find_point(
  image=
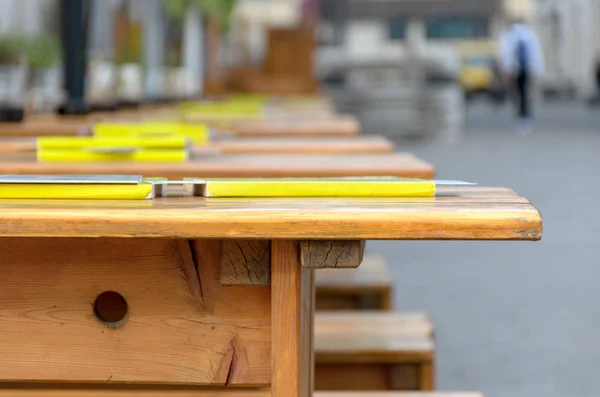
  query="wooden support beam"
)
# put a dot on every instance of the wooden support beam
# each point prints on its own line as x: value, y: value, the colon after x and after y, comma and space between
x: 245, y: 262
x: 325, y: 254
x: 292, y: 300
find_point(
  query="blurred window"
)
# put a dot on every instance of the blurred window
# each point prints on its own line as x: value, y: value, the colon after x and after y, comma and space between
x: 457, y: 28
x: 485, y: 62
x: 397, y: 29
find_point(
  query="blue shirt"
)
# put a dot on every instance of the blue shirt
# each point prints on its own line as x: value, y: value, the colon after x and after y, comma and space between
x: 509, y: 50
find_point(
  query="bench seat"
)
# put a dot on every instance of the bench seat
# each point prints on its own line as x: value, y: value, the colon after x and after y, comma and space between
x: 373, y: 351
x: 368, y: 287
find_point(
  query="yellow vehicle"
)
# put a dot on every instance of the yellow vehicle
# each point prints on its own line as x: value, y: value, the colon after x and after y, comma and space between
x: 477, y: 73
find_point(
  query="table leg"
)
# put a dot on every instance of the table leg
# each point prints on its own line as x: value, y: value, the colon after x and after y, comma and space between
x: 292, y: 313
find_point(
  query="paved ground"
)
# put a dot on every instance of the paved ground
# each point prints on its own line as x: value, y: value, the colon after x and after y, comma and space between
x: 516, y: 319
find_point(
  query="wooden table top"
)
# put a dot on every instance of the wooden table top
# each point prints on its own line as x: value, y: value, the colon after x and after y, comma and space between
x: 258, y: 165
x: 359, y: 144
x: 51, y: 125
x: 334, y: 127
x: 475, y: 213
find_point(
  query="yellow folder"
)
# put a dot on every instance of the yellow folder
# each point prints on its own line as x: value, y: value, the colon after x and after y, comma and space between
x: 315, y: 187
x: 72, y: 143
x: 197, y: 133
x: 99, y: 154
x: 140, y: 191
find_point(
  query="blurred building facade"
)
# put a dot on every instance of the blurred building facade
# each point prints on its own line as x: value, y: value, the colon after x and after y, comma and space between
x: 29, y: 16
x: 569, y: 32
x: 367, y: 28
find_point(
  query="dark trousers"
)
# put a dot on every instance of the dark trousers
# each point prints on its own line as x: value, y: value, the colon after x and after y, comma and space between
x: 523, y: 88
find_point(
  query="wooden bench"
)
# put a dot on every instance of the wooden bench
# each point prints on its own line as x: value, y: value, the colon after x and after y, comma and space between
x: 373, y: 351
x: 368, y: 287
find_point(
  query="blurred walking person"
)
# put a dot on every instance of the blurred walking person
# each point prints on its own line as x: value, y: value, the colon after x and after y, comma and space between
x: 522, y: 63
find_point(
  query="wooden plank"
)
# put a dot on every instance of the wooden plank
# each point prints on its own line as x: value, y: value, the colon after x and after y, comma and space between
x: 322, y: 254
x: 292, y: 293
x: 245, y: 262
x: 323, y: 219
x: 239, y: 166
x: 181, y: 327
x: 332, y: 323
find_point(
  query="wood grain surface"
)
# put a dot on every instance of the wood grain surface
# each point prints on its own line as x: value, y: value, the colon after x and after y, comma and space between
x: 323, y: 254
x: 287, y: 126
x: 246, y: 262
x: 181, y: 326
x: 338, y: 126
x: 26, y: 148
x: 292, y: 296
x: 239, y: 166
x: 467, y: 215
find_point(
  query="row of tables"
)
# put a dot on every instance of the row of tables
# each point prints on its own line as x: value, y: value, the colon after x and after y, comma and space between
x: 160, y: 262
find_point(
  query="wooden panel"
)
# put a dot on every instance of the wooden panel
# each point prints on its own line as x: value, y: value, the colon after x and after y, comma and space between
x: 331, y: 219
x: 245, y: 262
x: 182, y: 327
x: 239, y: 166
x: 323, y: 254
x: 291, y: 312
x: 376, y: 377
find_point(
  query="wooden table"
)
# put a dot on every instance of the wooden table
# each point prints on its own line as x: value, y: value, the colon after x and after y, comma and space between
x: 199, y: 292
x: 263, y: 165
x: 359, y: 144
x: 49, y: 125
